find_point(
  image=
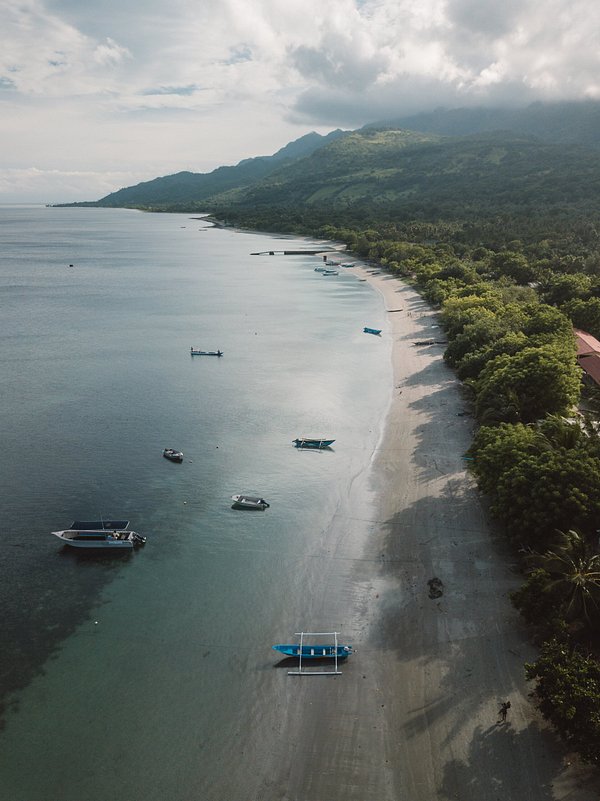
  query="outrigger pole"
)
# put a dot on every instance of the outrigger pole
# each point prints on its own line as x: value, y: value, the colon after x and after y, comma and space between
x: 301, y: 672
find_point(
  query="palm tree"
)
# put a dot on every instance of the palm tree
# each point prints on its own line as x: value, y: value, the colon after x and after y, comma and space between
x: 561, y: 433
x: 574, y: 575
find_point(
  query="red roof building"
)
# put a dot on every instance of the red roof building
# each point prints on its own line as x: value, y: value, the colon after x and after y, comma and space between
x: 588, y: 354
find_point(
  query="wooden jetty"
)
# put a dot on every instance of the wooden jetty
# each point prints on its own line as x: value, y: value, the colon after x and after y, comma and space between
x: 294, y: 252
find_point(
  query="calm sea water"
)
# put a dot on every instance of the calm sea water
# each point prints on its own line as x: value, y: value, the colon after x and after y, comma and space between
x: 128, y: 662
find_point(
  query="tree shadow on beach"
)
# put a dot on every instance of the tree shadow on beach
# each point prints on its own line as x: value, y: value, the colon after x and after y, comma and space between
x: 489, y: 770
x: 419, y: 543
x: 445, y: 576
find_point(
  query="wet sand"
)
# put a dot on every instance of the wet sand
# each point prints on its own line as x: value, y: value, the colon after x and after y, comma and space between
x: 421, y: 589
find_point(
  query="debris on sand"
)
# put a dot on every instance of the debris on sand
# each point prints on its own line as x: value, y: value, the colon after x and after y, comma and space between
x: 436, y: 587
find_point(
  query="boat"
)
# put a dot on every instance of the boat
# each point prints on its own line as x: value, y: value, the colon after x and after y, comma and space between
x: 376, y: 331
x: 248, y: 502
x: 311, y: 442
x: 320, y: 269
x: 195, y: 352
x: 312, y: 649
x: 330, y: 272
x: 173, y: 455
x: 315, y: 651
x: 103, y: 534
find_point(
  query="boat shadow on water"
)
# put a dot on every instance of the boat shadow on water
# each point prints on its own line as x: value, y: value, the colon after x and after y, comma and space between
x: 105, y: 556
x: 291, y: 662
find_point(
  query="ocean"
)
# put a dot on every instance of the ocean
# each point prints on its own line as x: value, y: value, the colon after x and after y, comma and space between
x: 141, y: 676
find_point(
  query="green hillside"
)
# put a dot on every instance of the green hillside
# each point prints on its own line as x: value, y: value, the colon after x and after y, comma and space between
x: 395, y: 174
x: 185, y: 188
x: 568, y: 122
x: 509, y: 181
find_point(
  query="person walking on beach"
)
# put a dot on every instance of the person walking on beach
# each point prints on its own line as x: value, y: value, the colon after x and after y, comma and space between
x: 504, y: 707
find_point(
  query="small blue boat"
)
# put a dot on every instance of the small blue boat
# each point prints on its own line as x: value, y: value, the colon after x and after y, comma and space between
x: 315, y: 651
x: 313, y: 442
x: 376, y: 331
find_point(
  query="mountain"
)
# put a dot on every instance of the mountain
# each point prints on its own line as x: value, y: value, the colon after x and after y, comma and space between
x: 461, y: 164
x: 187, y: 187
x: 560, y: 123
x: 387, y: 172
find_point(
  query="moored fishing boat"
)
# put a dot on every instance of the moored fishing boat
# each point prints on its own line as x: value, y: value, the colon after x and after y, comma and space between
x: 376, y: 331
x: 310, y: 648
x: 196, y: 352
x: 316, y: 443
x: 173, y: 455
x: 111, y: 534
x: 326, y: 651
x: 248, y: 502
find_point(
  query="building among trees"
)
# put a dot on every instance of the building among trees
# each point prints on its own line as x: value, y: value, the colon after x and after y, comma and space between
x: 588, y: 355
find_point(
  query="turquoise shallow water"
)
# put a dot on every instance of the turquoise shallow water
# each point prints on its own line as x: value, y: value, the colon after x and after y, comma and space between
x: 133, y: 660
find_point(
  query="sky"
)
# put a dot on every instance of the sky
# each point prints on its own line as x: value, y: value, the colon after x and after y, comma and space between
x: 100, y: 94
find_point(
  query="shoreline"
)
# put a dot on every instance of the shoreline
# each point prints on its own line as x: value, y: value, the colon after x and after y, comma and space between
x: 425, y: 594
x: 472, y: 645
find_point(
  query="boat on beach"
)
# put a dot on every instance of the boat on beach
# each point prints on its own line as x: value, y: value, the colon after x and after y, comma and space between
x: 309, y: 647
x: 248, y: 502
x: 173, y: 455
x: 103, y: 534
x: 315, y: 651
x: 196, y: 352
x: 315, y: 443
x: 376, y: 331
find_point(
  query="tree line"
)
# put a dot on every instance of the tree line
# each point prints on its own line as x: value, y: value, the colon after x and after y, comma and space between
x: 509, y: 314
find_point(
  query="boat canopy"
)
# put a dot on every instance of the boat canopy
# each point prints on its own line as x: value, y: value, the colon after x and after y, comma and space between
x: 99, y: 525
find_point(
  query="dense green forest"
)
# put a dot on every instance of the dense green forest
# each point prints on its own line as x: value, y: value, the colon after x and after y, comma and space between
x: 500, y: 231
x: 508, y: 312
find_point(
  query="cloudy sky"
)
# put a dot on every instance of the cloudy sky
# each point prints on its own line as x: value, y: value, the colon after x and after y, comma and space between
x: 100, y: 94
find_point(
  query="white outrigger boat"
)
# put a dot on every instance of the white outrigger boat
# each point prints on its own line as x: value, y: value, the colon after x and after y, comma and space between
x: 103, y: 534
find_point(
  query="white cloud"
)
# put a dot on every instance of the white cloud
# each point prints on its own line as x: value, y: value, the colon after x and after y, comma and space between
x: 109, y: 53
x: 149, y: 85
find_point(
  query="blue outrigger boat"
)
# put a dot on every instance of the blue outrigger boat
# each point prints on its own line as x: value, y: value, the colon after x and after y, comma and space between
x: 376, y: 331
x: 328, y: 650
x: 312, y: 442
x: 315, y: 651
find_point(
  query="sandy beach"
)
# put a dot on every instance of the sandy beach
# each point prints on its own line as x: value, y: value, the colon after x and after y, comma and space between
x: 422, y: 591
